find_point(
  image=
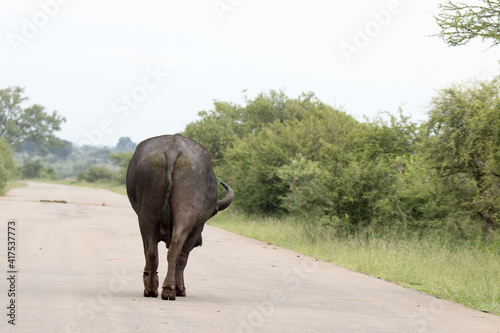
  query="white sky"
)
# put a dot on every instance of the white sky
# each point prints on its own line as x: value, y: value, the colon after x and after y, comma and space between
x: 91, y: 61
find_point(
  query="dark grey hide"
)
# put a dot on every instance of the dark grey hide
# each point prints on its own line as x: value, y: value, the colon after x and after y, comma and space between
x: 172, y: 188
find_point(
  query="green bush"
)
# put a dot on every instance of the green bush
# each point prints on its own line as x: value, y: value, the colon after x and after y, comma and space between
x: 6, y: 159
x: 302, y: 158
x: 48, y: 173
x: 310, y: 188
x: 122, y: 160
x: 96, y: 174
x: 34, y: 169
x: 359, y: 188
x: 256, y: 165
x: 463, y: 136
x: 7, y: 166
x: 31, y: 168
x: 4, y: 177
x: 416, y: 199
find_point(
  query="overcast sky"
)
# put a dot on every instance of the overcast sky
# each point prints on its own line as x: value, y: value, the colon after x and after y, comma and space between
x: 145, y: 68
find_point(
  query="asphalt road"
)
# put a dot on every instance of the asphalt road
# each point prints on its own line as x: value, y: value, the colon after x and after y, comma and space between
x: 79, y: 269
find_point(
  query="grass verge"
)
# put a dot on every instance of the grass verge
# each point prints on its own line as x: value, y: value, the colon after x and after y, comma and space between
x: 12, y: 184
x: 463, y: 273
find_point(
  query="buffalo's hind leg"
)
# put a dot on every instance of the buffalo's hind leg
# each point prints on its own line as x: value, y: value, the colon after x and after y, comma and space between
x: 150, y: 275
x: 182, y: 229
x: 190, y: 243
x: 180, y: 289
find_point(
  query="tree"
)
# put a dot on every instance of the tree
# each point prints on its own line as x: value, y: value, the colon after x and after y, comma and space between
x: 227, y: 122
x: 310, y: 188
x: 6, y: 159
x: 96, y: 173
x: 395, y: 138
x: 61, y: 148
x: 217, y: 129
x: 257, y: 164
x: 463, y: 144
x: 31, y: 169
x: 461, y: 23
x: 32, y: 124
x: 7, y: 165
x: 122, y: 160
x: 125, y: 145
x: 301, y: 156
x: 267, y: 108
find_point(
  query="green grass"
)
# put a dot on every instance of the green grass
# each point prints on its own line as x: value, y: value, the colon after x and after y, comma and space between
x: 463, y: 273
x: 12, y: 184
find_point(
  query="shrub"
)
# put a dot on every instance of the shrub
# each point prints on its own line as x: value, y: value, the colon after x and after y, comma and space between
x: 7, y: 166
x: 122, y: 160
x: 48, y: 173
x: 31, y: 168
x: 4, y: 176
x: 309, y: 188
x: 96, y: 174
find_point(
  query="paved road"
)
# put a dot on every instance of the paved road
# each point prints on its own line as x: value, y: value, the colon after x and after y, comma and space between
x: 79, y: 269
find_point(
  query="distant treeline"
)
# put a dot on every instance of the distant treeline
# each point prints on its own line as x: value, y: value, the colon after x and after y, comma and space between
x: 86, y: 163
x: 29, y: 147
x: 301, y: 157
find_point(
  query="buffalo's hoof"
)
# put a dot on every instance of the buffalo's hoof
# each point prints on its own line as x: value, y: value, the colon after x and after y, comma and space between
x: 150, y: 293
x: 180, y: 292
x: 168, y: 294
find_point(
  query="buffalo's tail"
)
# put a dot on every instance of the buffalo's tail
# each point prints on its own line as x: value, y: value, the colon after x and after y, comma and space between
x: 166, y: 225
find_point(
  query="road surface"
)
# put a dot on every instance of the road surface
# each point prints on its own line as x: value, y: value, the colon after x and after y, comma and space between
x: 78, y: 268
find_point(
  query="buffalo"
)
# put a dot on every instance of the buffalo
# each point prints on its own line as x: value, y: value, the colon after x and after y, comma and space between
x: 173, y: 189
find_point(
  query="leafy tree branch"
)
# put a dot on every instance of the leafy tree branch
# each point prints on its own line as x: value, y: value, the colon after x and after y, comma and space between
x: 460, y: 23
